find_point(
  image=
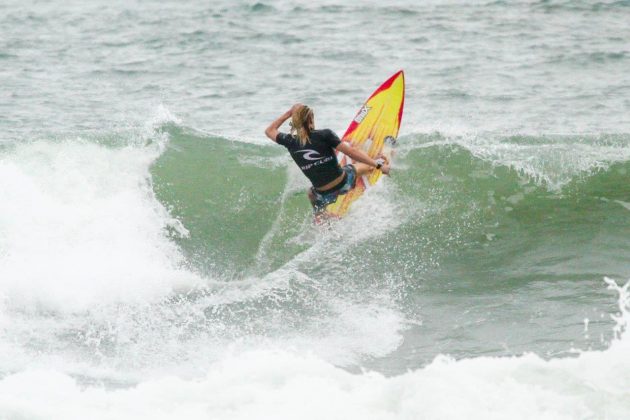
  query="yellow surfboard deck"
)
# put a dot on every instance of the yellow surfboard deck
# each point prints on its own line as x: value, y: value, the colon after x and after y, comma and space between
x: 374, y: 129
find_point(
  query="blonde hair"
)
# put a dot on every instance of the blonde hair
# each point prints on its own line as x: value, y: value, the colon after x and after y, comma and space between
x: 301, y: 122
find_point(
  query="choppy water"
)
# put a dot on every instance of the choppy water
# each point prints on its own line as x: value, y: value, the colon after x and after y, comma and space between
x: 157, y: 258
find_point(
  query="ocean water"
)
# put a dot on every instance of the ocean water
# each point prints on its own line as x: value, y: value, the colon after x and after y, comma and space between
x: 157, y: 256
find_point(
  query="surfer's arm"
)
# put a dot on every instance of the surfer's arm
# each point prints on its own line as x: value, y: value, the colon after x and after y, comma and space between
x: 361, y: 156
x: 272, y: 130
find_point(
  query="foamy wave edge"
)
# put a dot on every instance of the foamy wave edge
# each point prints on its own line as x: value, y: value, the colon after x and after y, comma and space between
x: 280, y: 384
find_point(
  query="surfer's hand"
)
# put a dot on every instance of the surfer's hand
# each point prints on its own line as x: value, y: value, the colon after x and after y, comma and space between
x: 294, y: 107
x: 385, y: 168
x: 382, y: 156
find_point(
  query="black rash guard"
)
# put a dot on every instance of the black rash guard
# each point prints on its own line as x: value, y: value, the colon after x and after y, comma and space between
x: 317, y: 158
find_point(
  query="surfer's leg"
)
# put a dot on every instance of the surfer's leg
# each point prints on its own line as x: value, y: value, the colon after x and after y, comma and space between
x: 363, y: 169
x: 311, y: 197
x: 318, y: 206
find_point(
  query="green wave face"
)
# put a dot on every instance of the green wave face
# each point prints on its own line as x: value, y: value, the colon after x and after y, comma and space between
x: 460, y: 221
x: 511, y: 227
x: 226, y: 193
x: 235, y: 198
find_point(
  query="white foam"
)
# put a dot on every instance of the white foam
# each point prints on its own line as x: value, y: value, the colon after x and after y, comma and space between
x: 353, y: 331
x: 80, y: 226
x: 283, y: 385
x: 280, y: 384
x: 161, y: 115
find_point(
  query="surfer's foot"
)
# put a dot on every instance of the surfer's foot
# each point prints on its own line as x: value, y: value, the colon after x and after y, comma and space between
x: 320, y: 218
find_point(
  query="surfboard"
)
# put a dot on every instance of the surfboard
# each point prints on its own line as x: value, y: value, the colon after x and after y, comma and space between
x: 374, y: 129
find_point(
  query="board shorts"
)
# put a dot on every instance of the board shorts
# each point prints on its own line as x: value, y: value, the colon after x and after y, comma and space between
x: 322, y: 199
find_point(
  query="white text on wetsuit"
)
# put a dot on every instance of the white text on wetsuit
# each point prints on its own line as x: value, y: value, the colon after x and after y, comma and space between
x: 319, y: 162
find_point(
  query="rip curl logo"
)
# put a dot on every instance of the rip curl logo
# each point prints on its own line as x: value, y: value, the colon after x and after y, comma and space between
x: 362, y: 114
x: 310, y: 154
x: 315, y: 157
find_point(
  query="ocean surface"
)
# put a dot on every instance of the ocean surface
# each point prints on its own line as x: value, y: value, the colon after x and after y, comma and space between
x: 157, y: 254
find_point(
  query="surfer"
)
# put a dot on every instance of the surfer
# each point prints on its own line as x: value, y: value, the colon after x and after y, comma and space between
x: 314, y: 151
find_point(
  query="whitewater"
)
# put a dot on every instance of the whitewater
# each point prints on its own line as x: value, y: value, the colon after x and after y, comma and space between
x: 157, y: 255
